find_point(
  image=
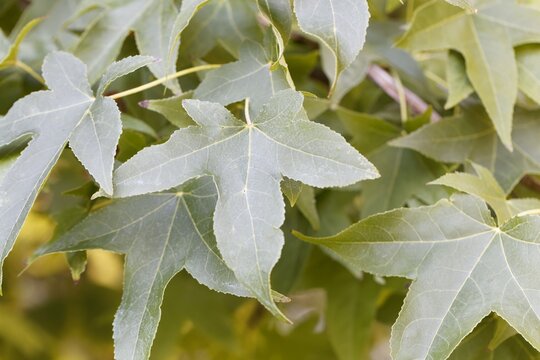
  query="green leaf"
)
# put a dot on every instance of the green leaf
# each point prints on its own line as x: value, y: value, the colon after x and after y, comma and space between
x: 9, y: 55
x: 340, y: 25
x: 227, y: 23
x: 250, y: 77
x: 188, y: 9
x: 161, y: 234
x: 485, y: 187
x: 171, y: 108
x: 528, y: 61
x: 279, y: 142
x: 463, y: 267
x: 352, y: 305
x: 68, y: 112
x: 280, y: 15
x: 485, y: 38
x: 403, y: 172
x: 459, y: 86
x: 152, y: 21
x: 465, y: 4
x: 470, y: 136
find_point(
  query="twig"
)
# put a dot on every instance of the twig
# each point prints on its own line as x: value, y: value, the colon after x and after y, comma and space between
x: 163, y: 80
x: 388, y: 84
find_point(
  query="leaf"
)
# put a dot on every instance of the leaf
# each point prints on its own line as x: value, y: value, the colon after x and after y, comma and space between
x: 68, y: 112
x: 10, y: 55
x: 465, y: 4
x: 463, y: 267
x: 280, y: 15
x: 492, y: 32
x: 171, y: 108
x: 403, y: 172
x: 227, y: 23
x: 152, y: 21
x: 459, y: 86
x: 161, y: 234
x: 250, y: 77
x: 470, y: 136
x: 528, y: 60
x: 340, y: 25
x: 352, y: 305
x: 188, y: 9
x: 527, y: 56
x: 484, y: 186
x: 247, y: 162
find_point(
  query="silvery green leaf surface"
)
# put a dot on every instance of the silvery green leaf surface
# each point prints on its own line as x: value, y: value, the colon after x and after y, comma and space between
x: 250, y: 77
x: 528, y: 57
x: 459, y: 86
x: 280, y: 15
x: 403, y: 172
x: 160, y: 234
x: 279, y: 142
x: 470, y: 136
x: 227, y: 23
x: 492, y: 33
x: 67, y: 112
x: 121, y: 68
x: 484, y: 186
x: 339, y: 25
x: 69, y: 100
x: 492, y: 270
x: 152, y: 21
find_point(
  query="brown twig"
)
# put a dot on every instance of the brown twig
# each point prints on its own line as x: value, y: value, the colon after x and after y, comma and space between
x: 388, y: 84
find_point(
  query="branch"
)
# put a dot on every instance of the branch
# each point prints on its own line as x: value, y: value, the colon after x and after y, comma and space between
x: 387, y: 83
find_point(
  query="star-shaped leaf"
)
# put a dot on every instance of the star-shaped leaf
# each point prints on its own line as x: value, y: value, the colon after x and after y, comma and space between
x: 471, y: 136
x: 247, y: 161
x: 161, y: 234
x: 464, y: 267
x: 486, y: 39
x: 68, y: 112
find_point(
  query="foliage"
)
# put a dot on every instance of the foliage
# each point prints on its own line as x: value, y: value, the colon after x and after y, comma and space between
x: 353, y: 178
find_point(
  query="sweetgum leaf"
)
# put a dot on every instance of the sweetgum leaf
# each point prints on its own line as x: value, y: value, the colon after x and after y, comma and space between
x: 67, y: 112
x: 464, y: 267
x: 248, y: 162
x: 471, y: 136
x: 486, y: 39
x: 340, y: 25
x: 161, y: 234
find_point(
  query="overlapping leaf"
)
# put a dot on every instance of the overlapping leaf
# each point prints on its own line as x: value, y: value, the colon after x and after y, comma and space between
x: 486, y: 39
x: 403, y: 172
x: 464, y: 268
x: 250, y: 77
x: 247, y: 161
x: 161, y: 234
x: 340, y: 25
x: 470, y: 136
x: 68, y: 112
